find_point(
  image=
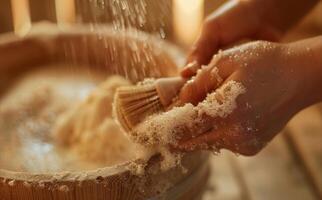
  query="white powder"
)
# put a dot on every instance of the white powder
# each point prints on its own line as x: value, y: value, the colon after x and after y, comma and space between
x: 222, y: 102
x: 84, y: 134
x: 161, y: 128
x: 89, y: 130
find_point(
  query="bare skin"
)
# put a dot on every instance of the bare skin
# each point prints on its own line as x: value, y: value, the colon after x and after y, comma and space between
x: 238, y: 20
x: 280, y: 79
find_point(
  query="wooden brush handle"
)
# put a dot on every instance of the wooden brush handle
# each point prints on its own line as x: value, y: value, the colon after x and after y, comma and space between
x: 169, y: 88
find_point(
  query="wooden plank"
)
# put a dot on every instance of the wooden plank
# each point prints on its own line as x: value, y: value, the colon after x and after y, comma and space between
x: 274, y: 174
x: 305, y: 131
x: 223, y: 182
x: 65, y: 11
x: 42, y: 10
x: 6, y: 21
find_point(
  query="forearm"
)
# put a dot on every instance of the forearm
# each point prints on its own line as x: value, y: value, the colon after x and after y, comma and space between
x: 314, y: 55
x: 306, y: 56
x: 282, y: 14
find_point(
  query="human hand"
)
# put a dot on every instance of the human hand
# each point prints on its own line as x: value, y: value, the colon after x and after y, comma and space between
x: 238, y: 20
x: 279, y: 81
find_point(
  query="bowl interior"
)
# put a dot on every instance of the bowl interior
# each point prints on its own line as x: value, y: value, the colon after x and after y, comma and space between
x: 71, y: 77
x: 74, y: 61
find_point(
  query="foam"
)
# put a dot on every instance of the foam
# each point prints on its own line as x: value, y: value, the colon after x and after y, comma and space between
x: 169, y: 127
x: 158, y: 132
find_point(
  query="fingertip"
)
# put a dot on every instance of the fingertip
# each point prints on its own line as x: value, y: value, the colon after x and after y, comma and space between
x: 186, y: 72
x: 186, y: 92
x: 190, y: 69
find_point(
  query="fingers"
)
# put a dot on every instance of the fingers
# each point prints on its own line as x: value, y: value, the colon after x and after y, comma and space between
x: 208, y: 78
x: 224, y: 138
x: 190, y: 69
x: 206, y: 45
x: 196, y: 89
x: 202, y: 51
x: 230, y: 23
x: 269, y: 34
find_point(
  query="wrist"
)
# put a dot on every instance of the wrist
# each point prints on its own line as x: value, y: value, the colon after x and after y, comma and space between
x: 304, y: 61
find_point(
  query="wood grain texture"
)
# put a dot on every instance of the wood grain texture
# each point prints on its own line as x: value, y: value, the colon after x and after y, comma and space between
x: 128, y: 54
x: 274, y: 174
x: 41, y: 10
x: 109, y: 183
x: 18, y: 54
x: 305, y: 131
x: 6, y: 20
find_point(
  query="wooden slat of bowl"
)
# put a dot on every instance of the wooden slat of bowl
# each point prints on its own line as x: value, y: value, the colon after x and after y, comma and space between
x: 49, y: 44
x: 107, y: 183
x: 18, y: 54
x: 104, y: 49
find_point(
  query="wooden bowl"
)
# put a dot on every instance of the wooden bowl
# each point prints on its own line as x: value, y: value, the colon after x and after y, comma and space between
x: 82, y: 46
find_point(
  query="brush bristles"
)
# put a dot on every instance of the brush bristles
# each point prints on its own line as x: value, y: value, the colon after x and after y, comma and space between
x: 134, y: 103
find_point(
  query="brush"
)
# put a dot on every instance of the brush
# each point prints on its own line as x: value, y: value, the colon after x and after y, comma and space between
x: 132, y: 104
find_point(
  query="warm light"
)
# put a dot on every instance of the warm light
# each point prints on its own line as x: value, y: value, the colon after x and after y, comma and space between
x: 65, y: 11
x: 21, y: 16
x: 187, y: 20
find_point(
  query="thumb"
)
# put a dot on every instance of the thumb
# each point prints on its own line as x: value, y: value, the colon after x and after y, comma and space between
x: 208, y: 78
x: 196, y: 89
x: 201, y: 53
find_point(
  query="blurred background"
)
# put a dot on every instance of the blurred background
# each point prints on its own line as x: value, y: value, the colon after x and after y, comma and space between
x: 176, y: 20
x: 289, y: 168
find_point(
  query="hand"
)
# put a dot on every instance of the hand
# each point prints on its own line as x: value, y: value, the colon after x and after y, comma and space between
x: 278, y: 84
x: 239, y: 20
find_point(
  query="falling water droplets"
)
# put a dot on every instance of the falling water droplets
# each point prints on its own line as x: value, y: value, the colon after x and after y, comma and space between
x: 121, y: 15
x: 162, y: 33
x: 123, y: 5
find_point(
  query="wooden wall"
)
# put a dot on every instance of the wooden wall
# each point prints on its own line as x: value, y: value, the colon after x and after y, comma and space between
x: 41, y: 10
x: 159, y: 13
x: 6, y: 22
